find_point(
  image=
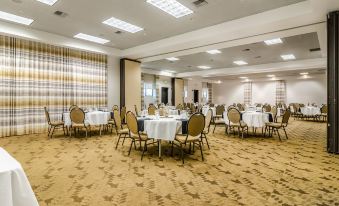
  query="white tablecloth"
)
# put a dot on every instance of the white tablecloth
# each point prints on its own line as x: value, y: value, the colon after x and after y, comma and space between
x: 310, y: 111
x: 15, y: 189
x: 170, y: 112
x: 252, y: 119
x: 91, y: 118
x: 163, y: 128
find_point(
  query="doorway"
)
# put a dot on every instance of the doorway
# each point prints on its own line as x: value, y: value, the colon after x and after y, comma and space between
x: 195, y: 96
x: 164, y: 95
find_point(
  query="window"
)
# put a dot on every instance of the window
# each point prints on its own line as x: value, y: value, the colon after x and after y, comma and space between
x: 148, y: 89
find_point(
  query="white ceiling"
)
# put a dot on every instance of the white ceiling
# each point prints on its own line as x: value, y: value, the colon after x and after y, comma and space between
x: 86, y: 16
x: 259, y: 53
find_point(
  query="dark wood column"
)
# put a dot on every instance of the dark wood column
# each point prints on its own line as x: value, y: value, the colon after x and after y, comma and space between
x: 332, y: 81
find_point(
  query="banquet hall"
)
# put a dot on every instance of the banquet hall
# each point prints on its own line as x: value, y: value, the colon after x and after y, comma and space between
x: 169, y: 102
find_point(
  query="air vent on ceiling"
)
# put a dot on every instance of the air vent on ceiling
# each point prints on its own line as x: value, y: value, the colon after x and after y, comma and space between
x: 245, y: 50
x: 199, y: 3
x: 314, y: 49
x: 60, y: 13
x: 118, y: 32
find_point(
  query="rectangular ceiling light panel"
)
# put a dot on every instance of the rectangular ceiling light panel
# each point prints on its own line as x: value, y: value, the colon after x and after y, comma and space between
x: 48, y: 2
x: 171, y: 7
x: 117, y: 23
x: 15, y: 18
x: 91, y: 38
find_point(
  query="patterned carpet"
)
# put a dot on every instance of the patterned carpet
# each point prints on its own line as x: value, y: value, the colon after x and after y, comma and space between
x: 252, y: 171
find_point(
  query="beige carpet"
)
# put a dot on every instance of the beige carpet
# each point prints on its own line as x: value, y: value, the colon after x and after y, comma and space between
x: 252, y: 171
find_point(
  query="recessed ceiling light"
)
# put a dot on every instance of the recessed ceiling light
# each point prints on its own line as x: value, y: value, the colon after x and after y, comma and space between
x: 171, y: 7
x: 304, y: 73
x: 48, y: 2
x: 204, y: 67
x: 91, y: 38
x: 214, y: 51
x: 15, y: 18
x: 288, y: 57
x: 240, y: 62
x: 270, y: 75
x: 273, y: 41
x: 117, y: 23
x: 170, y: 71
x: 172, y: 59
x: 243, y: 77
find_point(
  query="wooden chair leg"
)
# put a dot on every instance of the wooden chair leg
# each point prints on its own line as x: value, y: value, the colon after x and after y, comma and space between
x: 278, y: 134
x: 130, y: 148
x: 202, y: 155
x: 182, y: 153
x: 143, y: 151
x: 285, y: 132
x: 52, y: 131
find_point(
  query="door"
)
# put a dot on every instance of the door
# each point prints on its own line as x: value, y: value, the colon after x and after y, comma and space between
x: 164, y: 95
x: 196, y: 96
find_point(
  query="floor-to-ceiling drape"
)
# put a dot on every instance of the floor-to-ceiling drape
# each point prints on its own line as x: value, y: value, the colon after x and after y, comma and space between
x: 34, y: 75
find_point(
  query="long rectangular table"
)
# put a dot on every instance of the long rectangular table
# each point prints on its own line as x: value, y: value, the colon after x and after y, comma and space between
x: 15, y: 189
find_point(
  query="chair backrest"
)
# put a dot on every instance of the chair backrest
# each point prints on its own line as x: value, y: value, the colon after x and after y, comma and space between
x: 161, y: 111
x: 117, y: 120
x: 211, y: 105
x: 231, y: 106
x: 196, y: 124
x: 151, y: 110
x: 267, y: 108
x: 208, y: 119
x: 123, y: 113
x: 274, y: 111
x: 192, y: 108
x: 286, y: 117
x: 115, y: 107
x: 77, y: 116
x: 72, y: 107
x: 324, y: 109
x: 219, y: 110
x: 132, y: 122
x: 233, y: 115
x: 136, y: 110
x: 179, y: 106
x: 47, y: 116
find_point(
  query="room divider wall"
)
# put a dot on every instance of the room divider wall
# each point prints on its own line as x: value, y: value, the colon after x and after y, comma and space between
x: 34, y: 75
x: 333, y: 82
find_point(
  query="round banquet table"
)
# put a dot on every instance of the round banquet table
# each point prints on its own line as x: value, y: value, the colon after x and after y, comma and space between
x: 170, y: 112
x: 15, y: 189
x: 91, y: 118
x: 310, y: 111
x: 253, y: 119
x: 163, y: 128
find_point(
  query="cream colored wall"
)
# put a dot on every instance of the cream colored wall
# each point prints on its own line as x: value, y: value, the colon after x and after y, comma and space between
x: 113, y: 81
x: 179, y: 91
x: 132, y: 85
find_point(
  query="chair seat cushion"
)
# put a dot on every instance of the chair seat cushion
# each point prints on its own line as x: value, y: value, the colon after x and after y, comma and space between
x: 111, y: 121
x: 79, y: 125
x: 240, y: 124
x: 273, y: 124
x: 123, y: 131
x: 143, y: 136
x: 219, y: 121
x: 57, y: 123
x: 182, y: 138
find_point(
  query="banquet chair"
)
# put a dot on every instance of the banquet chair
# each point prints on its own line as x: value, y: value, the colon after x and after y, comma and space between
x: 275, y: 126
x: 179, y: 107
x: 274, y: 112
x: 134, y: 133
x: 72, y: 107
x: 137, y: 113
x: 115, y: 107
x: 217, y: 119
x: 234, y: 119
x: 52, y: 125
x: 123, y: 114
x: 151, y: 110
x: 195, y: 128
x: 78, y: 121
x: 121, y: 132
x: 324, y: 110
x: 208, y: 120
x: 211, y: 105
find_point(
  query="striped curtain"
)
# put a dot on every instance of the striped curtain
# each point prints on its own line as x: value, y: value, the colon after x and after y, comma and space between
x: 34, y: 75
x: 280, y: 93
x: 248, y: 93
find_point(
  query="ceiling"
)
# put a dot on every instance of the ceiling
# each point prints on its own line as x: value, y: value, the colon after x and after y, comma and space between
x: 253, y: 54
x: 263, y: 76
x: 86, y: 16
